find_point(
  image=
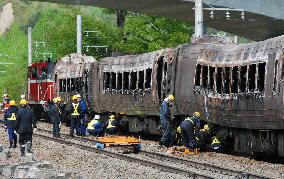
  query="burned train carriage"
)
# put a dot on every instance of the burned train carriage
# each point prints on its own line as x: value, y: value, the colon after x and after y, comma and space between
x: 71, y: 74
x: 133, y: 84
x: 240, y: 89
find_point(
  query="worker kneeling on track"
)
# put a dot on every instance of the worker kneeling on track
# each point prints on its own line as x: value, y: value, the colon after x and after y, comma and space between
x: 112, y: 126
x: 95, y: 127
x: 10, y: 123
x: 188, y: 127
x: 204, y: 135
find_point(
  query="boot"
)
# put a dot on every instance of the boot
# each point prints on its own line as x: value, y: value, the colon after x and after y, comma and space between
x: 29, y: 147
x: 11, y: 143
x: 22, y: 149
x: 15, y: 143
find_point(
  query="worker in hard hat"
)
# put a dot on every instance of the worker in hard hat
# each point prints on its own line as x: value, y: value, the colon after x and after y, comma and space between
x: 10, y: 123
x: 204, y: 136
x: 26, y: 122
x: 95, y: 127
x: 55, y: 114
x: 5, y: 103
x: 188, y: 128
x: 165, y: 118
x: 83, y: 116
x: 112, y: 125
x: 74, y: 111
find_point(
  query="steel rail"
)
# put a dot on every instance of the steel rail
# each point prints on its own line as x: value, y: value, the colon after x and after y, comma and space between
x: 200, y: 168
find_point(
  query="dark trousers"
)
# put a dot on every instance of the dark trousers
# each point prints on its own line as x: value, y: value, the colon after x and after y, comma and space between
x: 111, y: 130
x: 168, y: 133
x: 82, y: 126
x: 11, y: 134
x: 95, y: 132
x: 55, y: 130
x: 188, y: 137
x: 75, y: 124
x: 24, y: 138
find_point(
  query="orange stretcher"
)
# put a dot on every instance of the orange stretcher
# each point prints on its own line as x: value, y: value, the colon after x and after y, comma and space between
x: 181, y: 150
x: 120, y: 141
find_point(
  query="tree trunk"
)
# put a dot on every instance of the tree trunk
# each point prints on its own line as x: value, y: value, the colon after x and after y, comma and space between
x: 120, y: 17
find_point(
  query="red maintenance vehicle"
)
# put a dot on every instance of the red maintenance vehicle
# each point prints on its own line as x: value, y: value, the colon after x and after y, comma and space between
x: 40, y: 86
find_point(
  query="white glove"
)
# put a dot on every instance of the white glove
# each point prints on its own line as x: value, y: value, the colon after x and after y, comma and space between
x: 60, y: 125
x: 35, y: 129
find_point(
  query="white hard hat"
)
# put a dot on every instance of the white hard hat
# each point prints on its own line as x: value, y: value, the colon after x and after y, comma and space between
x: 23, y: 96
x: 78, y: 95
x: 97, y: 117
x: 5, y: 95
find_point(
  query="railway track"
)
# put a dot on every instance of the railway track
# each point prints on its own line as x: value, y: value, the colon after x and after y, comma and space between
x: 163, y: 162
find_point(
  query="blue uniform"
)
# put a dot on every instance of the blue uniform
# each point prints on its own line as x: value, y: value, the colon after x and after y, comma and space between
x: 187, y: 131
x: 95, y: 128
x: 165, y: 115
x: 83, y: 125
x: 11, y: 122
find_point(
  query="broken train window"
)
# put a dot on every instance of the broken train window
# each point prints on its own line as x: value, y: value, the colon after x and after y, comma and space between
x: 197, y: 75
x: 125, y: 80
x: 141, y: 80
x: 113, y: 80
x: 275, y: 79
x: 252, y: 77
x: 148, y: 78
x: 106, y: 79
x: 133, y: 80
x: 204, y: 76
x: 261, y: 77
x: 119, y: 81
x: 219, y: 81
x: 243, y: 79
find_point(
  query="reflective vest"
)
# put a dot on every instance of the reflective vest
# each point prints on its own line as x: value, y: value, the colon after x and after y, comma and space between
x: 189, y: 119
x: 13, y: 117
x: 75, y: 112
x: 58, y: 109
x: 216, y: 144
x: 92, y: 124
x: 110, y: 123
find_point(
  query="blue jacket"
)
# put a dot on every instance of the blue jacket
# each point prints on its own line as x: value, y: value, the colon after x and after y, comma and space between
x: 165, y: 113
x: 83, y: 107
x: 9, y: 114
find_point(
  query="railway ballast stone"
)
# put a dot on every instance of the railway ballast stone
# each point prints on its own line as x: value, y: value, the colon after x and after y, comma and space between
x: 5, y: 154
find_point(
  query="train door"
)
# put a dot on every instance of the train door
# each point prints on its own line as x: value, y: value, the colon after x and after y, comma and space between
x: 162, y: 68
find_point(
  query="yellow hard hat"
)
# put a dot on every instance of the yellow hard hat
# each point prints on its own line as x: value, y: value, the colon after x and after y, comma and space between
x: 206, y: 127
x: 197, y: 114
x: 75, y: 97
x: 55, y: 100
x: 179, y: 130
x: 122, y: 113
x: 23, y: 102
x: 58, y: 99
x: 112, y: 116
x: 171, y: 98
x: 13, y: 103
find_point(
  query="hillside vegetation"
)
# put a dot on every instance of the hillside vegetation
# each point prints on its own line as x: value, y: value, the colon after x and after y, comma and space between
x: 55, y: 24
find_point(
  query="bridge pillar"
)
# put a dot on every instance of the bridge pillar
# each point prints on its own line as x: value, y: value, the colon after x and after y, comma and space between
x: 198, y: 18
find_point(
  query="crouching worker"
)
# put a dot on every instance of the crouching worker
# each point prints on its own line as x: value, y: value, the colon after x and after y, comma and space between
x: 188, y: 127
x: 204, y: 136
x: 216, y: 145
x: 10, y: 123
x: 111, y: 127
x: 26, y: 121
x: 94, y: 126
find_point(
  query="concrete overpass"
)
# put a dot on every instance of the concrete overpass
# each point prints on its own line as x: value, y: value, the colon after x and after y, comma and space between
x: 263, y: 18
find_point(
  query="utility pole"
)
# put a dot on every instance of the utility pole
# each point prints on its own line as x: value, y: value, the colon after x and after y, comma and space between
x: 30, y: 60
x: 198, y: 18
x: 79, y: 34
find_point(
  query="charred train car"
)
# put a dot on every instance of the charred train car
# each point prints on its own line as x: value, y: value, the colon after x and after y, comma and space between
x: 238, y: 88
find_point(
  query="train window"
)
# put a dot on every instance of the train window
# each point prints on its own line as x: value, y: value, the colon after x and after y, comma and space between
x: 141, y: 80
x: 43, y: 70
x: 113, y: 80
x: 197, y: 75
x: 227, y: 80
x: 125, y: 80
x: 133, y: 80
x: 34, y: 72
x: 243, y: 78
x: 148, y: 78
x: 119, y: 81
x: 64, y: 86
x: 68, y: 85
x: 106, y: 76
x: 235, y: 74
x: 204, y: 76
x: 251, y: 77
x: 73, y: 84
x: 219, y: 80
x: 261, y: 77
x: 60, y: 85
x: 211, y: 77
x: 275, y: 76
